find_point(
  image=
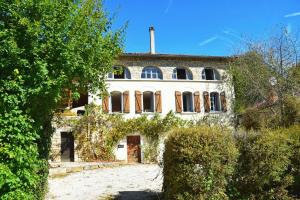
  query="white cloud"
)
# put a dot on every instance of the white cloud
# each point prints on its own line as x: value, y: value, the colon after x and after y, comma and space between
x: 295, y: 14
x: 168, y: 6
x: 207, y: 41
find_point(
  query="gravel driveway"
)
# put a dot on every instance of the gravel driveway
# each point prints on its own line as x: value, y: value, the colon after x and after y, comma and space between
x: 129, y: 182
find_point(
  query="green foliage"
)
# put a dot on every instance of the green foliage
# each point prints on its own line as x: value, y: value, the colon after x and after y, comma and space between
x: 256, y: 119
x: 291, y: 111
x: 45, y: 47
x: 197, y: 163
x: 250, y: 80
x: 293, y: 134
x: 266, y: 74
x: 97, y: 133
x: 262, y: 170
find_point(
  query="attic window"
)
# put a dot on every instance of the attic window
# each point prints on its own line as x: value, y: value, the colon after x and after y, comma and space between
x: 210, y: 74
x: 119, y: 72
x: 182, y: 74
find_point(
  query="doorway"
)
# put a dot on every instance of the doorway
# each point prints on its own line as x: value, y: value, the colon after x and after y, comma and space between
x: 67, y: 147
x: 133, y: 149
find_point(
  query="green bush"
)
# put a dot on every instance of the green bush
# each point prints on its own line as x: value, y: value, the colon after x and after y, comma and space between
x: 198, y: 163
x: 262, y: 170
x: 19, y: 163
x: 293, y: 133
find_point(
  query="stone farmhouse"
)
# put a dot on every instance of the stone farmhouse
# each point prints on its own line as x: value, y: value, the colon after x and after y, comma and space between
x: 191, y: 86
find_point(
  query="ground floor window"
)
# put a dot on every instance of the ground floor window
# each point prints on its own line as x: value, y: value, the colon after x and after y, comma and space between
x: 187, y: 100
x: 148, y: 102
x: 116, y: 102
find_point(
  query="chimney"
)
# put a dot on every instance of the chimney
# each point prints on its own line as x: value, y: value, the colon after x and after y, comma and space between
x: 152, y: 40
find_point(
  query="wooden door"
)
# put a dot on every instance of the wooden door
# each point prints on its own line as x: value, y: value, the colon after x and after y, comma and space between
x: 67, y: 147
x: 133, y: 149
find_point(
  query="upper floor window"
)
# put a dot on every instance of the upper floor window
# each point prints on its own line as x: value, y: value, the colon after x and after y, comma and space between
x: 210, y: 74
x: 116, y: 101
x: 187, y: 101
x: 151, y: 73
x: 214, y: 101
x: 148, y: 102
x: 182, y: 73
x: 119, y: 72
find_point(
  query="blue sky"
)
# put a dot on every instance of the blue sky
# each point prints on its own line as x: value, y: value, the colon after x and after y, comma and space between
x: 201, y: 27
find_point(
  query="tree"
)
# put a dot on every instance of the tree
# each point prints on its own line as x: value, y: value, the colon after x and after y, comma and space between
x: 266, y: 73
x: 45, y: 47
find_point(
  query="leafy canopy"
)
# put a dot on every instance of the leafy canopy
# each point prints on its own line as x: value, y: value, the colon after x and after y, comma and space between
x: 45, y: 47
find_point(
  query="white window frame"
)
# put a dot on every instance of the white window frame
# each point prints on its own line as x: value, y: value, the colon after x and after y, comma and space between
x: 203, y: 74
x: 212, y: 103
x: 151, y: 70
x: 192, y: 102
x: 153, y: 97
x: 187, y: 73
x: 111, y: 75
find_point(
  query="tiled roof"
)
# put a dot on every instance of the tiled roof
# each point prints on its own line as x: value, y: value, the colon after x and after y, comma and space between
x: 146, y: 56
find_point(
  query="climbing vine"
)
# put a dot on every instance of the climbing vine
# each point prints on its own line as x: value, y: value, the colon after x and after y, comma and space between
x: 97, y: 133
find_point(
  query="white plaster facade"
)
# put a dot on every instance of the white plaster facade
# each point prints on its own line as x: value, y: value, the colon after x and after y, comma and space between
x: 135, y: 63
x: 167, y: 86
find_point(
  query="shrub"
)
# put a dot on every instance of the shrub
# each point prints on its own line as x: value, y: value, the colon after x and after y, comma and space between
x: 291, y: 110
x: 293, y: 133
x: 262, y: 167
x: 198, y: 163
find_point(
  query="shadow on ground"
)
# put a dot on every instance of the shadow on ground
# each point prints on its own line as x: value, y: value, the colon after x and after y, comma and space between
x: 138, y: 195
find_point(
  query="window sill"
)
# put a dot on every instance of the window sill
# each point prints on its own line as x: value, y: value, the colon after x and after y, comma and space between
x: 148, y: 113
x: 188, y: 113
x: 215, y: 112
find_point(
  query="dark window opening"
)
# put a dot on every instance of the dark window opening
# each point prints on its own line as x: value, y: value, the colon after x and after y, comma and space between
x: 148, y: 102
x: 187, y: 102
x: 210, y: 74
x: 82, y: 101
x: 119, y: 73
x: 116, y: 102
x: 181, y: 74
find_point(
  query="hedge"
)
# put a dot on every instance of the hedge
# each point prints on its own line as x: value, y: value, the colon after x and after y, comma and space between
x: 262, y: 170
x: 197, y: 163
x: 208, y: 163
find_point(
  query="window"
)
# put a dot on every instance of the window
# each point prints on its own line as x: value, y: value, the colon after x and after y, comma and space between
x: 214, y: 101
x: 187, y: 100
x: 151, y: 73
x: 119, y: 72
x: 210, y: 74
x: 148, y: 102
x: 182, y: 73
x: 116, y: 102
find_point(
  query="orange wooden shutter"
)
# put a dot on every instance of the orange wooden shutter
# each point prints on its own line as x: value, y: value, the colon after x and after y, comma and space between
x: 105, y: 104
x: 158, y: 101
x: 206, y: 102
x: 223, y: 102
x: 197, y: 102
x: 138, y: 102
x: 178, y: 101
x: 126, y: 104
